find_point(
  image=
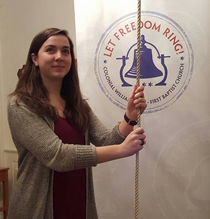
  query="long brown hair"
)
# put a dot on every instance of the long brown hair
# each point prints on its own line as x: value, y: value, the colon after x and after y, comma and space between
x: 32, y: 92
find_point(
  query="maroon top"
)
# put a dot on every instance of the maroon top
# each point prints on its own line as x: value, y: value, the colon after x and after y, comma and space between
x: 69, y: 188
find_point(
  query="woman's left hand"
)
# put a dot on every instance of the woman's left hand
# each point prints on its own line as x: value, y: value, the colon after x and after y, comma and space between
x: 136, y: 102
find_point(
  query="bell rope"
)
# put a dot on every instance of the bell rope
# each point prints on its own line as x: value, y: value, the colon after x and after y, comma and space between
x: 139, y: 114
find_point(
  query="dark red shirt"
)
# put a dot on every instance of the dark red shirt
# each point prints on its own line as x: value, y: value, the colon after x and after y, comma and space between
x: 69, y: 188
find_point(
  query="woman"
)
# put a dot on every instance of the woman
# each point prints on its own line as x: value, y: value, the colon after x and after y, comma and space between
x: 52, y: 127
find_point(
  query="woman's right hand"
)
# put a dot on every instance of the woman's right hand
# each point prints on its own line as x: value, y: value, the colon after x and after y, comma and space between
x: 130, y: 146
x: 133, y: 142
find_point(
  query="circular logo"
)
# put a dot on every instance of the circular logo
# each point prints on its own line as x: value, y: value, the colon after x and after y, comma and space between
x: 166, y: 55
x: 182, y: 175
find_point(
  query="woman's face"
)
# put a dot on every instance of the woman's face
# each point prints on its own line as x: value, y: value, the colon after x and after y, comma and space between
x: 54, y: 58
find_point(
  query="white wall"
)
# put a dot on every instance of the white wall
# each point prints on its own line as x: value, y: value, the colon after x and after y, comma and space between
x: 20, y: 21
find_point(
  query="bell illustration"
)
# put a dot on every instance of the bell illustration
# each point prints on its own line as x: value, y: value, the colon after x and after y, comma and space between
x: 147, y: 66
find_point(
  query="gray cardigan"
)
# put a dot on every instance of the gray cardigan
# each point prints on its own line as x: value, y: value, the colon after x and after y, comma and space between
x: 40, y: 152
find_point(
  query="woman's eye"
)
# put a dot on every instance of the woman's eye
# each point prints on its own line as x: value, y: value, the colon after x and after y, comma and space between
x: 50, y: 50
x: 66, y: 51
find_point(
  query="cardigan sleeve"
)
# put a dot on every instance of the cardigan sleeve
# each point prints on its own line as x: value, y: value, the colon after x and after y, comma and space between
x: 32, y: 134
x: 99, y: 135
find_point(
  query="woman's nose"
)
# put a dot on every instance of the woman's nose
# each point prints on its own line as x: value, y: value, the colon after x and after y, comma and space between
x: 58, y: 55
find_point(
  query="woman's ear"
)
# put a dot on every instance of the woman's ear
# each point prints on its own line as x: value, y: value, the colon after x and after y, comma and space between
x: 34, y: 59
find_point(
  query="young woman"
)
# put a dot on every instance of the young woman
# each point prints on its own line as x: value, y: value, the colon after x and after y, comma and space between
x: 52, y: 127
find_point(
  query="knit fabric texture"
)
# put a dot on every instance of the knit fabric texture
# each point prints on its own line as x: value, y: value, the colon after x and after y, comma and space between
x: 41, y: 152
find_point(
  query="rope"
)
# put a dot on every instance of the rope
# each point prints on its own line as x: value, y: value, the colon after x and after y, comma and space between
x: 139, y: 114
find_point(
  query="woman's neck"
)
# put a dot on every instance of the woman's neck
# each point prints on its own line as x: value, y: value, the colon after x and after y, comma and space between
x: 53, y: 87
x: 56, y: 100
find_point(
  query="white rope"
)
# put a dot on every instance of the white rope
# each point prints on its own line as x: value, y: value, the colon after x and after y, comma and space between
x: 139, y: 114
